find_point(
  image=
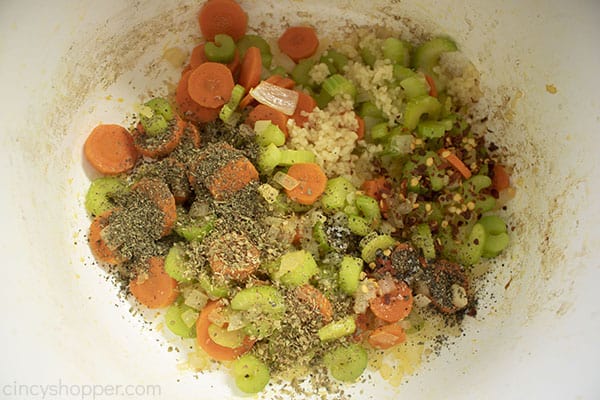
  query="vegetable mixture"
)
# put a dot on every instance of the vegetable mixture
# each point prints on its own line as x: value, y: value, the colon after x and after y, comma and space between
x: 295, y: 215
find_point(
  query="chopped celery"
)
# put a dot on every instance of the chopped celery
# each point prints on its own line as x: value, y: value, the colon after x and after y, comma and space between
x: 399, y: 144
x: 224, y: 337
x: 368, y: 56
x: 194, y: 230
x: 268, y: 159
x: 322, y: 98
x: 213, y: 289
x: 369, y: 207
x: 229, y: 108
x: 427, y: 55
x: 397, y: 51
x: 493, y: 224
x: 265, y: 299
x: 267, y: 133
x: 296, y: 268
x: 291, y: 157
x: 320, y: 237
x: 337, y: 329
x: 157, y: 120
x: 419, y: 106
x: 154, y: 125
x: 478, y: 182
x: 336, y: 194
x: 222, y: 50
x: 175, y: 263
x: 359, y: 225
x: 98, y: 197
x: 279, y: 70
x: 431, y: 129
x: 250, y: 373
x: 468, y: 247
x: 248, y: 41
x: 301, y: 73
x: 175, y: 323
x: 379, y: 131
x: 400, y: 73
x: 423, y: 240
x: 336, y: 84
x: 346, y: 363
x: 335, y: 61
x: 414, y: 86
x: 494, y: 244
x: 368, y: 109
x: 349, y: 274
x: 485, y: 203
x: 378, y: 242
x: 162, y: 107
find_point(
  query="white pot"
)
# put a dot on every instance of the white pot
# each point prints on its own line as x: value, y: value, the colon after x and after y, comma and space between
x: 66, y: 66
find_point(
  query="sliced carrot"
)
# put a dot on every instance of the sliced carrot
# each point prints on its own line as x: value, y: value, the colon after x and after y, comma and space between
x: 189, y: 107
x: 316, y: 300
x: 157, y: 149
x: 210, y: 84
x: 192, y: 133
x: 214, y: 350
x: 306, y: 104
x: 110, y: 149
x: 500, y: 178
x: 393, y: 306
x: 455, y: 162
x: 387, y: 336
x: 432, y: 89
x: 222, y: 16
x: 98, y: 246
x: 299, y: 42
x: 251, y: 68
x: 311, y: 183
x: 377, y: 187
x: 198, y: 56
x: 157, y: 289
x: 360, y: 131
x: 158, y: 192
x: 234, y: 256
x: 264, y: 112
x: 230, y: 178
x: 176, y: 178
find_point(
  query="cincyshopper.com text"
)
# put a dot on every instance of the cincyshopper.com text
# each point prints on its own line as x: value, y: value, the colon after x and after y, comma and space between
x: 61, y: 390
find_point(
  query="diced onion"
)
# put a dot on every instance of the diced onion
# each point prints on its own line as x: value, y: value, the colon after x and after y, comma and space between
x: 286, y: 181
x: 276, y: 97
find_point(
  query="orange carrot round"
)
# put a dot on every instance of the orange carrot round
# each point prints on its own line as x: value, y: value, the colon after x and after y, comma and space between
x: 311, y: 183
x: 164, y: 147
x: 360, y: 132
x: 215, y: 350
x: 222, y: 16
x: 159, y: 193
x: 251, y: 68
x: 198, y: 56
x: 158, y: 289
x: 387, y: 336
x: 110, y: 149
x: 393, y: 306
x: 264, y: 112
x: 98, y: 246
x: 317, y: 300
x: 234, y: 256
x: 210, y: 84
x: 306, y: 104
x: 230, y: 178
x: 189, y: 107
x: 500, y: 178
x: 299, y: 42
